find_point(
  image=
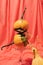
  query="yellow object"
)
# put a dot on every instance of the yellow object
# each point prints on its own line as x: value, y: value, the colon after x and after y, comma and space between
x: 21, y: 24
x: 37, y: 59
x: 17, y: 39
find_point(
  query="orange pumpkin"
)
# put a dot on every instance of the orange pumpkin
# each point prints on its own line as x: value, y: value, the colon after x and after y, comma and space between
x: 23, y: 24
x: 18, y: 39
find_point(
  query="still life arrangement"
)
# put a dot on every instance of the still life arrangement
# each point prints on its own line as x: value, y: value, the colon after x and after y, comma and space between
x: 21, y: 27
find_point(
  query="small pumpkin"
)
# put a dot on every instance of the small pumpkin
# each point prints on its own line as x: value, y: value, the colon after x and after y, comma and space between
x: 21, y: 25
x: 18, y: 39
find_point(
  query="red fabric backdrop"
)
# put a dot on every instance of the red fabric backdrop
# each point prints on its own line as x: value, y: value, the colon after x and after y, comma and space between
x: 11, y: 10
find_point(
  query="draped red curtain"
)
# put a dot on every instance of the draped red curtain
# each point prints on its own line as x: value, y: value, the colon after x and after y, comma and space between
x: 11, y: 10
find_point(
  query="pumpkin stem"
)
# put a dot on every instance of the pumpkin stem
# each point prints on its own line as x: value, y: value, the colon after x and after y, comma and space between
x: 23, y: 13
x: 35, y: 52
x: 6, y: 45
